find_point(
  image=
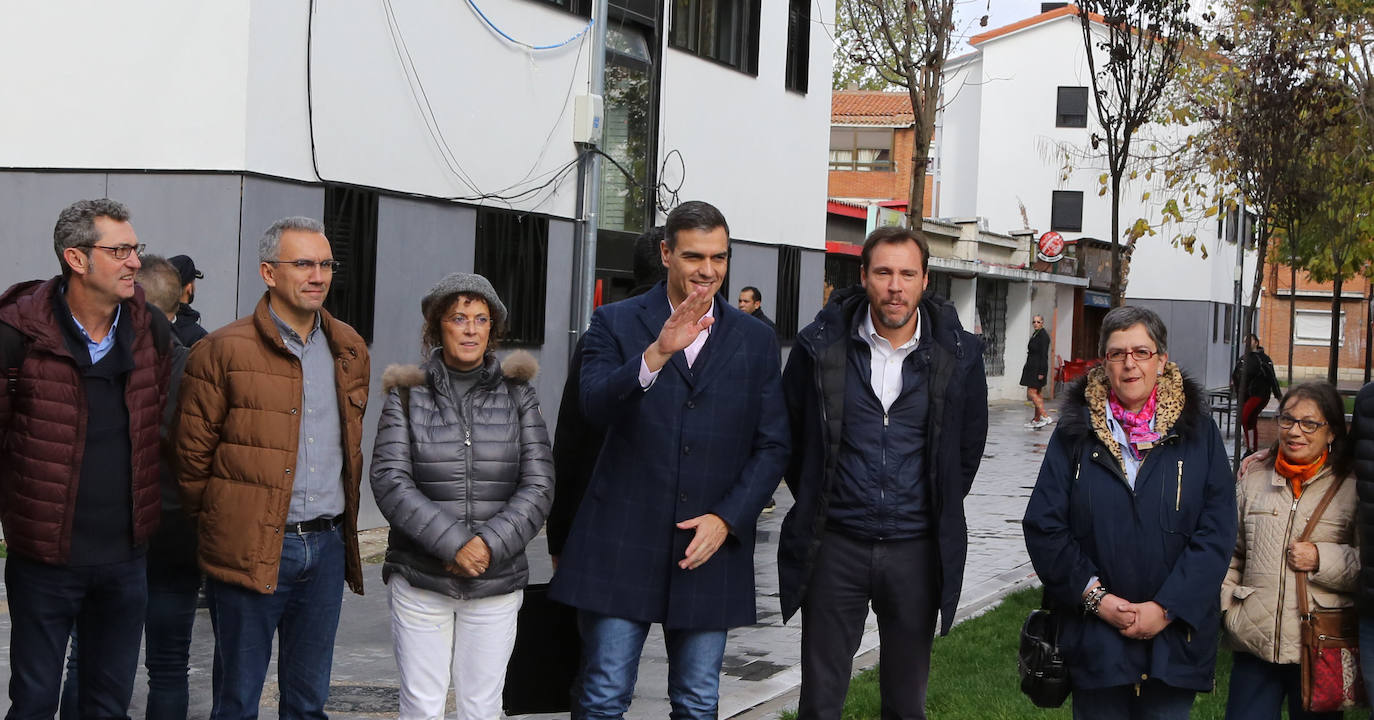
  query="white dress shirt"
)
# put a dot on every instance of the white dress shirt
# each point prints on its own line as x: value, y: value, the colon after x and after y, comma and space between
x: 885, y: 361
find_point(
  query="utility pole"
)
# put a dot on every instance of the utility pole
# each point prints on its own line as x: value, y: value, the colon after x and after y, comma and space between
x: 584, y: 284
x: 1237, y: 350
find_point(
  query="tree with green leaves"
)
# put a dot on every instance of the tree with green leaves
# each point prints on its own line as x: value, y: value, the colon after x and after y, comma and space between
x: 900, y: 43
x: 1133, y: 49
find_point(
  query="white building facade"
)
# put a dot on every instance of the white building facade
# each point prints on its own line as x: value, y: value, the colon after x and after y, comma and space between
x: 1012, y: 107
x: 429, y: 140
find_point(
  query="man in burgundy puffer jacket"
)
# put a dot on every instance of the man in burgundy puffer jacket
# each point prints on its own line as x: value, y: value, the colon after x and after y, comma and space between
x: 86, y: 379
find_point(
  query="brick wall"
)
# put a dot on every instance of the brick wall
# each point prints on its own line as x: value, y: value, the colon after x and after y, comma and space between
x: 1311, y: 360
x: 893, y: 185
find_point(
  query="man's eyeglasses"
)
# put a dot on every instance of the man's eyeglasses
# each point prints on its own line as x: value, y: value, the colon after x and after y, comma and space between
x: 328, y: 266
x: 460, y: 320
x: 121, y: 252
x: 1287, y: 422
x: 1138, y: 354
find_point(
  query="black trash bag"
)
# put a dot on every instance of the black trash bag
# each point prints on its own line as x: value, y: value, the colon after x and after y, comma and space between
x: 544, y: 664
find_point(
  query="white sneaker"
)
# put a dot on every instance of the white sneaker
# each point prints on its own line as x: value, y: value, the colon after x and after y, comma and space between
x: 1042, y: 422
x: 1030, y: 425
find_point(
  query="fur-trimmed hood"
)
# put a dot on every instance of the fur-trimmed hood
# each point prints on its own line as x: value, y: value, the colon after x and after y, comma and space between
x: 1181, y: 407
x: 519, y: 366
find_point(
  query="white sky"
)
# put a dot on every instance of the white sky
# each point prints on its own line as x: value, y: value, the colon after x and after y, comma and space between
x: 999, y: 12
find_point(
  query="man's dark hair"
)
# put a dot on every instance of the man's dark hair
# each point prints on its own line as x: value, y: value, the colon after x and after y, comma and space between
x: 692, y: 215
x: 894, y: 235
x: 758, y: 296
x: 1332, y: 408
x: 647, y: 260
x: 76, y: 226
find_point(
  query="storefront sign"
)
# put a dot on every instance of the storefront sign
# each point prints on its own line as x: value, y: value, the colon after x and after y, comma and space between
x: 1050, y: 247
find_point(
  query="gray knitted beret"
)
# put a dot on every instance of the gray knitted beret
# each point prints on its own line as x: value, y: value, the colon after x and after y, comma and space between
x: 472, y: 284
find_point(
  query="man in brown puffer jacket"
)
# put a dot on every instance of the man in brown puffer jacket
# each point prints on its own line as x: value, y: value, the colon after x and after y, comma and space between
x: 270, y: 445
x: 86, y: 366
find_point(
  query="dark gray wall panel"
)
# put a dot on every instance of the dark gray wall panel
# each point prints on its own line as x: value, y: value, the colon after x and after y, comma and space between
x: 196, y: 215
x: 1189, y: 323
x: 755, y: 265
x: 553, y: 355
x: 29, y: 204
x: 812, y: 286
x: 265, y: 202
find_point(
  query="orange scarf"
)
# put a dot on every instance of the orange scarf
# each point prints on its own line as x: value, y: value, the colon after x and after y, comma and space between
x: 1298, y: 474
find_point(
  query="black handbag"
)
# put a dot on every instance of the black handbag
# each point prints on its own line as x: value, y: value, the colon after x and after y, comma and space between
x: 1044, y: 675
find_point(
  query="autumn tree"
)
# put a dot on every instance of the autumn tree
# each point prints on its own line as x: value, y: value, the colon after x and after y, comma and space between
x: 903, y: 43
x: 1133, y: 49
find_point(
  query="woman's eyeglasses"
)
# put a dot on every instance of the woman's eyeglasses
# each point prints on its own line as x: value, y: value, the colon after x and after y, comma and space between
x: 1138, y: 354
x: 481, y: 321
x: 1308, y: 426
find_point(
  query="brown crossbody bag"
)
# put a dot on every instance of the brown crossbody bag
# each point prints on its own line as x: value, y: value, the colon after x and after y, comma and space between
x: 1331, y: 678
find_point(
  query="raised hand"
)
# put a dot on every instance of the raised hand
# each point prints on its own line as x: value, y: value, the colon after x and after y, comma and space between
x: 681, y: 328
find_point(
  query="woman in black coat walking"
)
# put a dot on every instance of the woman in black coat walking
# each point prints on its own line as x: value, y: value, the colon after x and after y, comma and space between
x: 1036, y: 370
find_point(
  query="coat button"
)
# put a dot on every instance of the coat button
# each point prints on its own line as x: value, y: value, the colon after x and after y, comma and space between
x: 293, y: 411
x: 288, y: 471
x: 686, y: 449
x: 682, y: 497
x: 691, y: 405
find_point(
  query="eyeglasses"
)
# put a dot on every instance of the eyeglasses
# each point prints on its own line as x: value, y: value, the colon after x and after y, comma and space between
x: 1138, y: 354
x: 460, y: 320
x: 1287, y: 422
x: 121, y: 252
x: 1037, y: 322
x: 328, y: 266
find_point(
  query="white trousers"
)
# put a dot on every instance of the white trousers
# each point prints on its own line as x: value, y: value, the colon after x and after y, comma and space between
x: 437, y: 638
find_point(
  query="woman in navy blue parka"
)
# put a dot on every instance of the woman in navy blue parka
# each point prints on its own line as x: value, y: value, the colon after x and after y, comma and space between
x: 1131, y: 526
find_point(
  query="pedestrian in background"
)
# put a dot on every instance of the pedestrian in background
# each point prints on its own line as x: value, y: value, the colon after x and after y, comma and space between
x: 1130, y: 527
x: 187, y: 325
x: 1254, y: 382
x: 1037, y: 369
x: 462, y: 470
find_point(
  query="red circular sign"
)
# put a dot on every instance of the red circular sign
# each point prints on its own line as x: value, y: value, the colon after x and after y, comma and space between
x: 1050, y: 246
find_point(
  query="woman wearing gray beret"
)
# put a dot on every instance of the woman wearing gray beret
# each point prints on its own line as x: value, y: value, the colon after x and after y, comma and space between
x: 462, y: 469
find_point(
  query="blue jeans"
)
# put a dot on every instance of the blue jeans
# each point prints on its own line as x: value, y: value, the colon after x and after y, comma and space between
x: 105, y: 602
x: 1367, y: 661
x: 167, y: 637
x: 1156, y: 701
x: 1258, y: 689
x: 303, y: 611
x: 611, y: 649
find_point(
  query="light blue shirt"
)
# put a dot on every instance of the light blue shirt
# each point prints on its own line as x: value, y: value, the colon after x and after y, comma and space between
x: 99, y: 350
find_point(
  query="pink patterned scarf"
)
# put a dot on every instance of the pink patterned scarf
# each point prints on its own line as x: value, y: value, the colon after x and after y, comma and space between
x: 1136, y: 424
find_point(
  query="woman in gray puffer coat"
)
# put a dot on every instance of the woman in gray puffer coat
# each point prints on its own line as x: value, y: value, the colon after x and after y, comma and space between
x: 462, y: 469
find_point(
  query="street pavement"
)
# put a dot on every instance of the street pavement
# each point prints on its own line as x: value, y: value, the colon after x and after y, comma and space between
x: 761, y: 669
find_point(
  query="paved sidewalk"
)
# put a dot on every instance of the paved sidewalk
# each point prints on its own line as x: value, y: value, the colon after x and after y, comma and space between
x: 761, y: 670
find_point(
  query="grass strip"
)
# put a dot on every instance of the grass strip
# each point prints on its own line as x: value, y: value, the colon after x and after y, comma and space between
x: 973, y: 674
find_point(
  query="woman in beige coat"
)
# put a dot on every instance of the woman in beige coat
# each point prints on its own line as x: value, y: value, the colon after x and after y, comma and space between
x: 1274, y: 501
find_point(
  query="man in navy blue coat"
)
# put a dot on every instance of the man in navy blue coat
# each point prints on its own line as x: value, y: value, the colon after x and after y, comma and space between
x: 690, y: 391
x: 888, y: 405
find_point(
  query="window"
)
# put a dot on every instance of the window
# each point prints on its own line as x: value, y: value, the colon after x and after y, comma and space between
x: 940, y: 284
x: 726, y: 31
x: 798, y: 43
x: 627, y: 131
x: 1071, y: 110
x: 862, y: 149
x: 1229, y: 226
x: 992, y: 316
x: 350, y: 223
x: 1313, y: 327
x: 1066, y: 212
x: 513, y: 252
x: 789, y: 287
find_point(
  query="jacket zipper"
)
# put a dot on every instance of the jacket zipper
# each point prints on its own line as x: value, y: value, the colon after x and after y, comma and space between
x: 1283, y: 576
x: 1178, y: 489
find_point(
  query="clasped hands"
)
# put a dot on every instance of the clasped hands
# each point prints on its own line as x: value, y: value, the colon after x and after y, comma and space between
x: 1138, y: 621
x: 472, y: 559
